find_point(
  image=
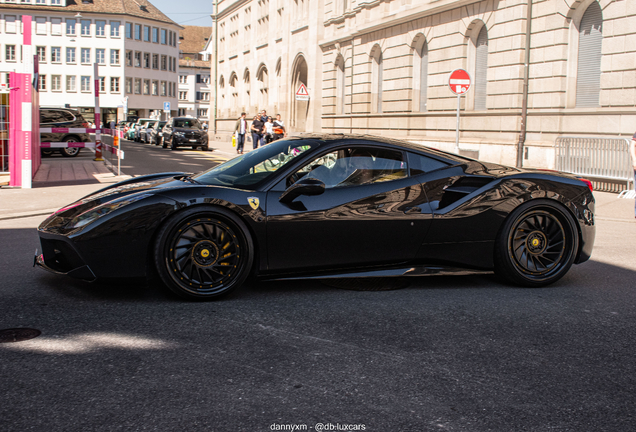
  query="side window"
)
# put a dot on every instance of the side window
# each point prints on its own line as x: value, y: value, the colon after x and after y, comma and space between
x: 355, y: 166
x: 67, y: 116
x: 421, y: 164
x: 52, y: 116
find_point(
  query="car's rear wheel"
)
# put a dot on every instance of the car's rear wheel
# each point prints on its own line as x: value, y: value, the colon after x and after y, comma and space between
x: 204, y: 253
x: 70, y: 151
x: 537, y: 244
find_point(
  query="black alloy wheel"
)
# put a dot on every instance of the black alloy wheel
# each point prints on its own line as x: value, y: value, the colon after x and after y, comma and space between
x: 203, y: 254
x: 537, y: 244
x: 70, y: 151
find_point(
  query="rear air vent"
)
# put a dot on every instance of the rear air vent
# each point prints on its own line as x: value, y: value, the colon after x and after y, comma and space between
x: 462, y: 188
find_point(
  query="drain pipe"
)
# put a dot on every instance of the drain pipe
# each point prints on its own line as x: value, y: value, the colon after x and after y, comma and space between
x: 526, y: 76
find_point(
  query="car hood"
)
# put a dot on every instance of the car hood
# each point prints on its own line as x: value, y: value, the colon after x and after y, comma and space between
x: 178, y: 129
x: 149, y: 184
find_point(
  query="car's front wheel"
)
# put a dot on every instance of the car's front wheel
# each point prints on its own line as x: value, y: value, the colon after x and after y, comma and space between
x: 537, y: 244
x: 70, y: 151
x: 204, y: 253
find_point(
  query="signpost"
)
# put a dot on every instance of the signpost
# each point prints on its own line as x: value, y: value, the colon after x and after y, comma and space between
x: 166, y: 107
x: 459, y: 83
x: 302, y: 94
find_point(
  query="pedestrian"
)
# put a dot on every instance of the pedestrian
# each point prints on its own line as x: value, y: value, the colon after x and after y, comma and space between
x: 264, y: 116
x: 632, y: 151
x: 269, y: 131
x: 279, y: 128
x: 205, y: 125
x: 257, y: 131
x: 239, y: 130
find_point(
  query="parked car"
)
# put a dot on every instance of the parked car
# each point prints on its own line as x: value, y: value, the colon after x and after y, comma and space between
x: 327, y: 206
x: 184, y: 131
x: 62, y: 118
x: 130, y: 133
x: 155, y: 134
x: 141, y: 125
x: 145, y: 129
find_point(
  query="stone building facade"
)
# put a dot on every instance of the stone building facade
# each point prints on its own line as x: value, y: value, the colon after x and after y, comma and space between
x: 382, y: 67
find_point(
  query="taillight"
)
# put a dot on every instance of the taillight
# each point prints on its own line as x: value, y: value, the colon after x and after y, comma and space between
x: 588, y: 183
x: 85, y: 125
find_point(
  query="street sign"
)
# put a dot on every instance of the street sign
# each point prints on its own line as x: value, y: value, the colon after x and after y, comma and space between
x: 459, y: 81
x: 166, y: 107
x: 302, y: 94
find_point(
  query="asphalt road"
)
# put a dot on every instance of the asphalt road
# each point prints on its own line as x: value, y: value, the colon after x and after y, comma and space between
x: 443, y: 354
x: 140, y: 159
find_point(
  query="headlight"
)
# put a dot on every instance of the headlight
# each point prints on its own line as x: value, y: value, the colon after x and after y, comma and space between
x: 92, y: 215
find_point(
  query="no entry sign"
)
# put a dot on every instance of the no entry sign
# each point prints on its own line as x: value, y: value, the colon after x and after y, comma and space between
x: 459, y: 81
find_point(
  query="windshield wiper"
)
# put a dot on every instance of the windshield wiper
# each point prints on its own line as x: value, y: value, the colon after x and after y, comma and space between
x: 188, y: 178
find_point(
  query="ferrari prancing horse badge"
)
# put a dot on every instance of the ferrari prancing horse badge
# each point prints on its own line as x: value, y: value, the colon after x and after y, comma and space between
x: 253, y: 202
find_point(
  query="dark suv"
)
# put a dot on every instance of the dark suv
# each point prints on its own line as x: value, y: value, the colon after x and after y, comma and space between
x: 184, y: 131
x: 62, y: 118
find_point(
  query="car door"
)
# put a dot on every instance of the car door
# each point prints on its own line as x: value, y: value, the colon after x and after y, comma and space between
x: 371, y: 212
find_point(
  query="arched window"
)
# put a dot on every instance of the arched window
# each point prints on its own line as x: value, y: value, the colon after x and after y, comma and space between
x: 481, y: 70
x: 376, y: 80
x: 234, y: 92
x: 221, y: 93
x: 340, y: 85
x: 263, y: 87
x: 246, y: 83
x: 588, y: 77
x: 420, y: 74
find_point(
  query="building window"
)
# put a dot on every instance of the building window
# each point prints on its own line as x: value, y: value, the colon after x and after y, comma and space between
x: 56, y: 26
x: 155, y: 88
x: 70, y: 55
x: 70, y: 27
x: 100, y: 56
x: 114, y: 84
x: 56, y: 2
x: 588, y: 77
x: 86, y: 55
x: 114, y: 29
x: 41, y: 52
x: 70, y: 83
x: 181, y: 112
x: 137, y: 59
x: 114, y: 57
x: 164, y: 37
x: 155, y: 35
x: 56, y: 55
x: 377, y: 80
x: 42, y: 83
x: 146, y: 34
x: 155, y: 61
x: 85, y: 83
x: 164, y: 89
x: 9, y: 24
x: 183, y: 79
x: 100, y: 28
x: 146, y: 87
x: 102, y: 85
x: 164, y: 60
x: 40, y: 26
x: 137, y: 85
x: 202, y: 112
x: 340, y: 85
x: 128, y: 30
x: 183, y: 95
x: 138, y: 31
x: 129, y: 85
x: 129, y: 58
x: 85, y: 27
x: 147, y: 60
x: 481, y: 70
x: 420, y: 76
x: 56, y: 82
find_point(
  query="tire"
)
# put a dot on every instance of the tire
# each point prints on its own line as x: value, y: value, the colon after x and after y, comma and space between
x: 46, y: 152
x: 70, y: 151
x: 173, y: 146
x: 537, y: 244
x: 194, y: 147
x: 203, y: 253
x: 205, y: 148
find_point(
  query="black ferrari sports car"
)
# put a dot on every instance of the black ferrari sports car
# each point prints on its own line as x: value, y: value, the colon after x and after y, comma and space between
x: 326, y: 206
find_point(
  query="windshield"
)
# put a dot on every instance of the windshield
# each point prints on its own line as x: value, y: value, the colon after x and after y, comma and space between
x: 187, y: 123
x: 250, y: 169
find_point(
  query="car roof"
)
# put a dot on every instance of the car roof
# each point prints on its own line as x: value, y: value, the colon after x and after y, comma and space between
x: 337, y: 138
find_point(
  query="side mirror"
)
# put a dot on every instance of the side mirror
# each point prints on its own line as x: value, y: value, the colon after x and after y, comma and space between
x: 305, y: 186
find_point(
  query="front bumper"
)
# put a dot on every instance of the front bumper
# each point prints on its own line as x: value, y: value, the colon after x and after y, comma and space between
x: 83, y: 272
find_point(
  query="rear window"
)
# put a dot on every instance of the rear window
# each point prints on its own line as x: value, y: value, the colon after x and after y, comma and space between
x: 187, y: 123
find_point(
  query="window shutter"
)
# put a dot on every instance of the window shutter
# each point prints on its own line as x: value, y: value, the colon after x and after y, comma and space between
x: 481, y: 70
x: 588, y: 78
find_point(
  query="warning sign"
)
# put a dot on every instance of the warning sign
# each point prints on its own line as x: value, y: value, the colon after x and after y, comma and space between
x: 302, y: 94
